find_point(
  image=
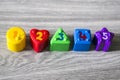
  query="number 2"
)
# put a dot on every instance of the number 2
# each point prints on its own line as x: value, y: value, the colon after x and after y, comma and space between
x: 105, y: 36
x: 39, y: 36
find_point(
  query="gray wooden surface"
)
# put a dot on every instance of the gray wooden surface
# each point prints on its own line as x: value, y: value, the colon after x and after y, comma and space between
x: 68, y: 14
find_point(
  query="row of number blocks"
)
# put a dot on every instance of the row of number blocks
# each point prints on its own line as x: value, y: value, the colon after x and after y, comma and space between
x: 16, y: 40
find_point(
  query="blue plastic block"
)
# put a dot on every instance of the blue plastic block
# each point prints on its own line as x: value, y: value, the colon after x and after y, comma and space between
x: 82, y: 40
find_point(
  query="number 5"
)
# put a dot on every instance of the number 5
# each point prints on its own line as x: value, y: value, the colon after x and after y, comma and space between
x: 105, y: 36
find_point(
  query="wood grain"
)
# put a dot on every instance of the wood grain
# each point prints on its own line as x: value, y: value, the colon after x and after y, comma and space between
x: 68, y: 14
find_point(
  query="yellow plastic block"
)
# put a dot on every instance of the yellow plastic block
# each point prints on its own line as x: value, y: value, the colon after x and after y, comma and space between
x: 16, y: 39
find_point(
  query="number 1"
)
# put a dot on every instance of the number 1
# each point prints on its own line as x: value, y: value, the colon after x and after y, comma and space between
x: 16, y: 35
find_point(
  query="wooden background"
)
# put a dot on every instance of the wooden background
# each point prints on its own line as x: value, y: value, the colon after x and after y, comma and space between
x: 68, y: 14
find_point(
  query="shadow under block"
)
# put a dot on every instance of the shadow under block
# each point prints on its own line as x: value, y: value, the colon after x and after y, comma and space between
x: 59, y: 41
x: 16, y: 39
x: 103, y: 39
x: 39, y: 39
x: 82, y: 40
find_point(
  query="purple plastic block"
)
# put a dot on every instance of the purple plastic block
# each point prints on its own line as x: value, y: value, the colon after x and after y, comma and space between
x: 103, y: 39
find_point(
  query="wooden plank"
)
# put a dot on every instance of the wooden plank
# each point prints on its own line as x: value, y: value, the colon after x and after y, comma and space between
x: 68, y: 14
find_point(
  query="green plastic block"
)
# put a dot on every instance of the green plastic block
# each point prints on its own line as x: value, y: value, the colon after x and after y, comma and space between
x: 59, y: 41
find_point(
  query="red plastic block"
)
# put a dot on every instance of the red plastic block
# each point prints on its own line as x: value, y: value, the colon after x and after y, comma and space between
x: 39, y: 39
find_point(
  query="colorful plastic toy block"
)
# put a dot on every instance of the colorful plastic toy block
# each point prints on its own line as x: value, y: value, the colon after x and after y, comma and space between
x: 60, y: 41
x: 16, y: 39
x: 39, y: 39
x: 103, y: 39
x: 82, y: 40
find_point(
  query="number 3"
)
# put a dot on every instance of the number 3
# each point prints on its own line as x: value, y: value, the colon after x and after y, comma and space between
x: 105, y: 36
x: 39, y: 36
x: 61, y: 36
